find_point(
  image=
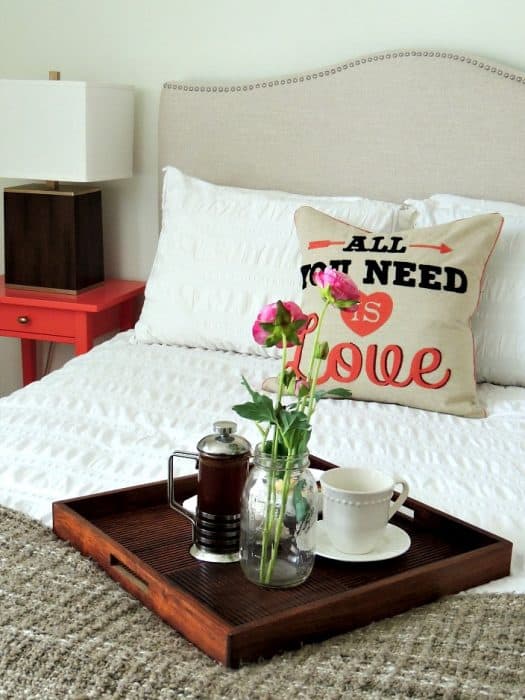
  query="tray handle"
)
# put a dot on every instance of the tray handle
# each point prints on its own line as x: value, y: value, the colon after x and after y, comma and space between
x: 124, y: 572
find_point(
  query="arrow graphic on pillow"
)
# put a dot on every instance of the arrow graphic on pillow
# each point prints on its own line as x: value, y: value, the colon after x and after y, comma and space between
x: 443, y: 247
x: 323, y: 244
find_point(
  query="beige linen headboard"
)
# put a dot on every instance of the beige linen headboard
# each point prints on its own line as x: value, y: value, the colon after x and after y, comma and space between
x: 388, y: 126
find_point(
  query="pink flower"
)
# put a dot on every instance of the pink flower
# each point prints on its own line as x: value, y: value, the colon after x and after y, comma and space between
x: 343, y: 288
x: 275, y: 319
x: 337, y: 287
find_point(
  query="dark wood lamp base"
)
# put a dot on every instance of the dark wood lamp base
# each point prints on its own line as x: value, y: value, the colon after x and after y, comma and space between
x: 53, y: 238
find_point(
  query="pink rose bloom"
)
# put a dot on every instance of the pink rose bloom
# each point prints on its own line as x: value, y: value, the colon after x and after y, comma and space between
x: 342, y: 288
x: 268, y: 315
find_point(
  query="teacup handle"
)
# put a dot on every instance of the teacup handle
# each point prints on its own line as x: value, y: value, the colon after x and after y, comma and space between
x: 396, y: 505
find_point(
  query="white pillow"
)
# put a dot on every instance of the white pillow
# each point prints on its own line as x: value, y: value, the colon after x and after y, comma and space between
x: 498, y: 325
x: 224, y: 252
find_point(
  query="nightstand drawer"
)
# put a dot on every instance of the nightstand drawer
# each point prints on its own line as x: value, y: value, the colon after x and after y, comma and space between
x: 66, y: 318
x: 18, y: 318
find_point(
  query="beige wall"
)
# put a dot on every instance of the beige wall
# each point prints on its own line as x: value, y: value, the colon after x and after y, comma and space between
x: 144, y: 42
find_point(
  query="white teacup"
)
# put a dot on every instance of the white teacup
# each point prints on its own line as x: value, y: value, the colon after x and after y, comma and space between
x: 357, y: 506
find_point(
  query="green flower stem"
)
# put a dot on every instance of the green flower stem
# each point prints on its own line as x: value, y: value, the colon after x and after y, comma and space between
x: 311, y: 398
x: 264, y: 433
x: 268, y: 519
x: 267, y: 528
x: 265, y: 571
x: 280, y: 387
x: 311, y: 377
x: 280, y: 521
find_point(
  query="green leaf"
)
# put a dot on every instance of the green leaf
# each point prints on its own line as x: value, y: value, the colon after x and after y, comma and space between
x: 289, y: 381
x: 283, y: 316
x: 259, y: 409
x: 345, y: 304
x: 337, y: 393
x: 302, y: 442
x: 304, y: 390
x: 255, y: 411
x: 274, y: 334
x: 300, y: 503
x: 292, y: 339
x: 251, y: 391
x: 293, y: 420
x: 271, y: 341
x: 321, y: 350
x: 297, y: 325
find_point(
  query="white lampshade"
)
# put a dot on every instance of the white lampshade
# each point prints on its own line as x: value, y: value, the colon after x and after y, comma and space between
x: 65, y: 130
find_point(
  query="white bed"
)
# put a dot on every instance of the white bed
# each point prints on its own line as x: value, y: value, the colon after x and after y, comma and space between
x: 111, y: 418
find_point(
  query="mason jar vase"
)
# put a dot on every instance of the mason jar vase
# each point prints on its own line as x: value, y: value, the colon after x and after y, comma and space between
x: 278, y: 517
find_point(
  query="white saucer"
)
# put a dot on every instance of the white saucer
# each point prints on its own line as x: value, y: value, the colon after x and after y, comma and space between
x: 393, y: 543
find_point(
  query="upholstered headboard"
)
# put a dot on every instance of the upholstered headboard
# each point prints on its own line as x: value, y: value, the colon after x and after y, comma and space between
x: 388, y: 126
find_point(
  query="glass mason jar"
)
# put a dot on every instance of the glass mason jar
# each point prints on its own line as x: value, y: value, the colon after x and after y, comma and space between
x: 278, y: 517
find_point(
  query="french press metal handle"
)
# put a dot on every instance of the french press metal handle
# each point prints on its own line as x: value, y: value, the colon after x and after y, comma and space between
x: 171, y: 491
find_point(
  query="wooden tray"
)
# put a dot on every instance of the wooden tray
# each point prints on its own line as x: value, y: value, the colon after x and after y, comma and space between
x: 143, y: 544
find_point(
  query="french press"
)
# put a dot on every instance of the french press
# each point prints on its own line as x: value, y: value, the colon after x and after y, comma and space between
x: 222, y: 460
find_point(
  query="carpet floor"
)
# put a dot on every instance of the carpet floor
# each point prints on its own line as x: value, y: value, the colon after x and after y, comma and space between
x: 69, y: 631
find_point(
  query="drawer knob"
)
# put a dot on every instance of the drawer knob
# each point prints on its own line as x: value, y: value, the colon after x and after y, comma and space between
x: 23, y: 319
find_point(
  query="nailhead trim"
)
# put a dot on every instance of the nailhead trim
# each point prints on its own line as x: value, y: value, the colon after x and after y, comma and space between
x: 483, y: 65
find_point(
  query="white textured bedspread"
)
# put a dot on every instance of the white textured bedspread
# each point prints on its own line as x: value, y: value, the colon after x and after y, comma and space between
x: 110, y: 419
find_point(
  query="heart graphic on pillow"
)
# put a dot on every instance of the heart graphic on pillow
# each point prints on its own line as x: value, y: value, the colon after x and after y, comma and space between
x: 373, y: 312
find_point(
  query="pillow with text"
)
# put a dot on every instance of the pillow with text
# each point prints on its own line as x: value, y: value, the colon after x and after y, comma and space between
x: 409, y: 341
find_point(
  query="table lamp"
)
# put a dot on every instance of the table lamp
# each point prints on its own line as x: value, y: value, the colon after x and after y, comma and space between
x: 57, y: 130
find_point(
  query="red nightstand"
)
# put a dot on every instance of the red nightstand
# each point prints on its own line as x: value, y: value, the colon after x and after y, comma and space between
x: 64, y: 318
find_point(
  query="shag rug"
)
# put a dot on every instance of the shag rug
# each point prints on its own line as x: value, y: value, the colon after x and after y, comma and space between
x: 69, y: 631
